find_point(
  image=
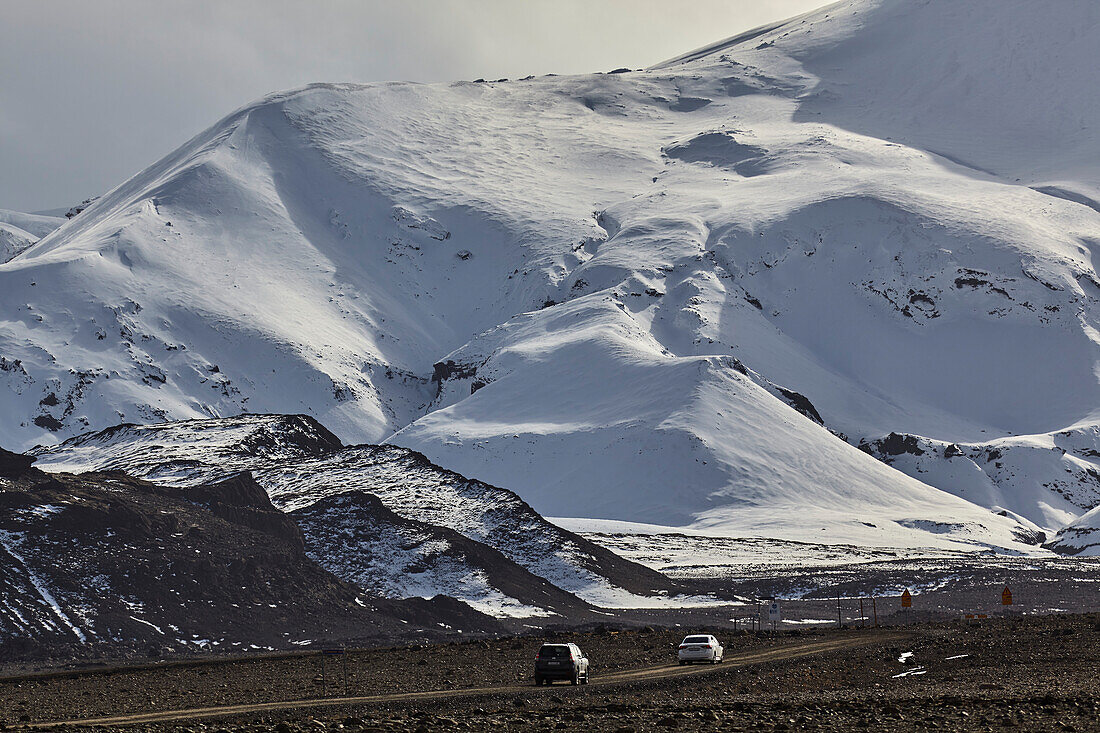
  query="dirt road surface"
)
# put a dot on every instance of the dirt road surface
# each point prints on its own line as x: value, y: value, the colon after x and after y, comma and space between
x: 787, y: 651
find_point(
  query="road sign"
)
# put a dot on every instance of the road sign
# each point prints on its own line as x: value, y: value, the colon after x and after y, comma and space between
x: 906, y: 599
x: 1006, y: 597
x: 774, y: 614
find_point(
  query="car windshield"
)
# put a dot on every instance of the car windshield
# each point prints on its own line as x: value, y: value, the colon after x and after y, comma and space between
x: 554, y: 652
x: 697, y: 640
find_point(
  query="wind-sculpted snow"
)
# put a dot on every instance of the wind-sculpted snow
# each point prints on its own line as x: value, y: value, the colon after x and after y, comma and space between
x: 305, y: 471
x: 880, y: 210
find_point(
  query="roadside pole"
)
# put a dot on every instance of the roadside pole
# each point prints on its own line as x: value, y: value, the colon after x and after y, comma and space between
x: 839, y: 619
x: 906, y: 604
x: 874, y: 610
x: 862, y: 615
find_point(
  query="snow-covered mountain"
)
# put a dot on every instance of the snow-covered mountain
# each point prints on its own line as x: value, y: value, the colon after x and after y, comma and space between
x: 1002, y: 473
x: 1080, y: 537
x: 36, y: 225
x: 680, y: 296
x: 14, y: 240
x: 435, y: 532
x: 19, y: 231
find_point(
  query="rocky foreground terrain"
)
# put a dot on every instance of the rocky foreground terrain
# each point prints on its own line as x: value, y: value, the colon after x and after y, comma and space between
x: 1021, y: 673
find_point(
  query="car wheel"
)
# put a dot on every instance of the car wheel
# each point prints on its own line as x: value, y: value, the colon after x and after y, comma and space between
x: 575, y: 679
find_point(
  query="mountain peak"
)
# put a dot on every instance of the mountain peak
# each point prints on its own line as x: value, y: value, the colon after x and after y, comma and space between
x: 851, y: 205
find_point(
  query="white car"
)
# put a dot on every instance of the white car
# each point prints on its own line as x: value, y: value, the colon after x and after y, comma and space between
x: 700, y: 648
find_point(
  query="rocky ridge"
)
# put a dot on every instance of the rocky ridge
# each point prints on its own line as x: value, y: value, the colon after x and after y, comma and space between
x: 103, y: 564
x: 300, y: 463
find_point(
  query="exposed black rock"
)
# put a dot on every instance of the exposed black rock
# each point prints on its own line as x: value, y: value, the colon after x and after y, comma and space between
x: 49, y: 422
x: 801, y: 403
x: 13, y: 465
x: 240, y: 500
x: 894, y: 444
x: 444, y: 370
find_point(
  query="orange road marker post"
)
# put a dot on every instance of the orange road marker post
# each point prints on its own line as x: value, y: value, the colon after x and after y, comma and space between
x: 906, y: 604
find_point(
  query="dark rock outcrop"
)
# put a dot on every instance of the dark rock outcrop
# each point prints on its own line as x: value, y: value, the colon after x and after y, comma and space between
x: 14, y: 465
x: 104, y: 564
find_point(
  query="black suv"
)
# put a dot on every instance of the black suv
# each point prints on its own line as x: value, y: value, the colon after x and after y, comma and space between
x: 561, y: 662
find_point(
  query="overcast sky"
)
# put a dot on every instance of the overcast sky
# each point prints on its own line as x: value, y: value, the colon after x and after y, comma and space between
x: 92, y: 92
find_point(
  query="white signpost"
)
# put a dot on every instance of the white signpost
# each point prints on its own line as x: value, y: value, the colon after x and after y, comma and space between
x: 774, y: 614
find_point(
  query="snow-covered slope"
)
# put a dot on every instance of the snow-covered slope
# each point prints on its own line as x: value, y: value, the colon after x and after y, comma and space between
x: 466, y: 539
x: 549, y: 284
x: 36, y: 225
x: 1080, y: 537
x: 13, y: 240
x: 19, y: 231
x: 356, y: 538
x: 1002, y: 473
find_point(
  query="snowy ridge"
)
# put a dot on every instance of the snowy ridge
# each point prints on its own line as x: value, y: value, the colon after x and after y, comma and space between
x: 301, y: 465
x: 1080, y: 537
x: 853, y: 206
x: 15, y: 603
x: 19, y: 231
x: 1005, y: 473
x: 354, y: 537
x: 14, y: 240
x: 36, y: 225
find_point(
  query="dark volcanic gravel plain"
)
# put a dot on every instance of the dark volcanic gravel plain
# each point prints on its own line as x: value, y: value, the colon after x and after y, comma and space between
x: 1035, y: 673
